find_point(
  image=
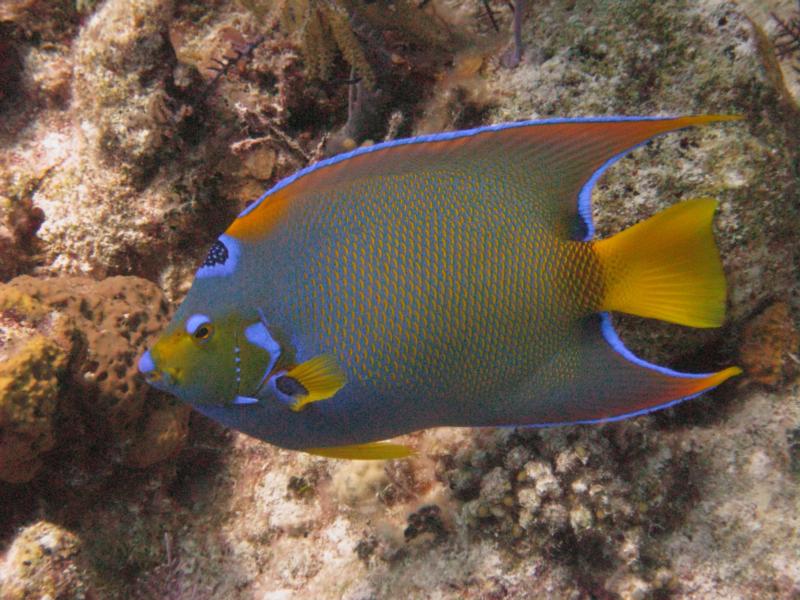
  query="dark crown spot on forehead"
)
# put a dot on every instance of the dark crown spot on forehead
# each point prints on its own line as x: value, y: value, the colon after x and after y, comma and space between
x: 217, y: 255
x: 222, y: 259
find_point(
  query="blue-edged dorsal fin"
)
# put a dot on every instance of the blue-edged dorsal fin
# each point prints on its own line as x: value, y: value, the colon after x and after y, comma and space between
x: 595, y: 378
x: 555, y: 162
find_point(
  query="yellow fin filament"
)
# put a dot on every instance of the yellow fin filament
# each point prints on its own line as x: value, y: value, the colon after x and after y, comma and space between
x: 666, y: 267
x: 320, y: 376
x: 713, y: 380
x: 374, y: 451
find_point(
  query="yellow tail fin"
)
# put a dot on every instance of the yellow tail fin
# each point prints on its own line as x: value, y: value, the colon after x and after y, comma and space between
x: 666, y: 267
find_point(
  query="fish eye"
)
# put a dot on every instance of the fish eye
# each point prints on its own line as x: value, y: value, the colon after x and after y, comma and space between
x: 203, y: 332
x: 199, y: 327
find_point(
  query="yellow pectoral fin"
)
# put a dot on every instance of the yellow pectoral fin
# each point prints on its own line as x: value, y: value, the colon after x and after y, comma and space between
x: 319, y: 379
x: 374, y: 451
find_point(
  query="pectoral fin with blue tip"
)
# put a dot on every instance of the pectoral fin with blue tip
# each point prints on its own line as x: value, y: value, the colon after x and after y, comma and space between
x: 318, y: 378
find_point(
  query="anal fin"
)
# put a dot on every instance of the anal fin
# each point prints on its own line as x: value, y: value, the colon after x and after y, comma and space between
x: 595, y: 378
x: 373, y: 451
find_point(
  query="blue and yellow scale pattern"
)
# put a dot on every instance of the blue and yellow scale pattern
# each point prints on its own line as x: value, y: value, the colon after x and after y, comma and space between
x: 440, y: 296
x: 454, y: 280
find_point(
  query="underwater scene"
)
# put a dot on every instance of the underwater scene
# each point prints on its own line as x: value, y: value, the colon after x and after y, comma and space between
x: 399, y: 299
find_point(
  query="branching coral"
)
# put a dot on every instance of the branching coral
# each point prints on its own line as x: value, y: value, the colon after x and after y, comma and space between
x: 356, y: 30
x: 324, y: 26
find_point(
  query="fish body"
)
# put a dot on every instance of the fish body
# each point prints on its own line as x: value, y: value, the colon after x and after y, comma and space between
x: 449, y: 280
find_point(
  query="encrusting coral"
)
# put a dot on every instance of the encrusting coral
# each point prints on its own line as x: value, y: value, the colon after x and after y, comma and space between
x: 771, y: 345
x: 120, y: 83
x: 46, y: 561
x: 571, y: 495
x: 19, y: 222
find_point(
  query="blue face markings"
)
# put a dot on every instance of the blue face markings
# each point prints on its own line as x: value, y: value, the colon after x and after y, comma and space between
x: 245, y: 400
x: 221, y: 259
x: 146, y: 363
x: 258, y: 334
x: 237, y: 361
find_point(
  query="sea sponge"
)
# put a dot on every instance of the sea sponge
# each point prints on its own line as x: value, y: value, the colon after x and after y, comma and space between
x: 111, y: 323
x: 29, y: 392
x: 770, y: 343
x: 34, y: 350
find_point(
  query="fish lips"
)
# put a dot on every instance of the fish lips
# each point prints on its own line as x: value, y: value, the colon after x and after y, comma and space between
x: 152, y: 375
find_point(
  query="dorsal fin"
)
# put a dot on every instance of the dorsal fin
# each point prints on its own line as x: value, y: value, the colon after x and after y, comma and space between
x: 561, y: 159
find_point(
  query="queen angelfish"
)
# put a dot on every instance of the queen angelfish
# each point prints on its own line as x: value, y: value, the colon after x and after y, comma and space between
x: 443, y: 280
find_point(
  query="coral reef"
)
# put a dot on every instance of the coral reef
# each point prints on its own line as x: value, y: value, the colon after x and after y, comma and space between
x: 122, y: 151
x: 138, y: 133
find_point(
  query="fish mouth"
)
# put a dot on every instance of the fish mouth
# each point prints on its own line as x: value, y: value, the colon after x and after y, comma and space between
x: 160, y: 379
